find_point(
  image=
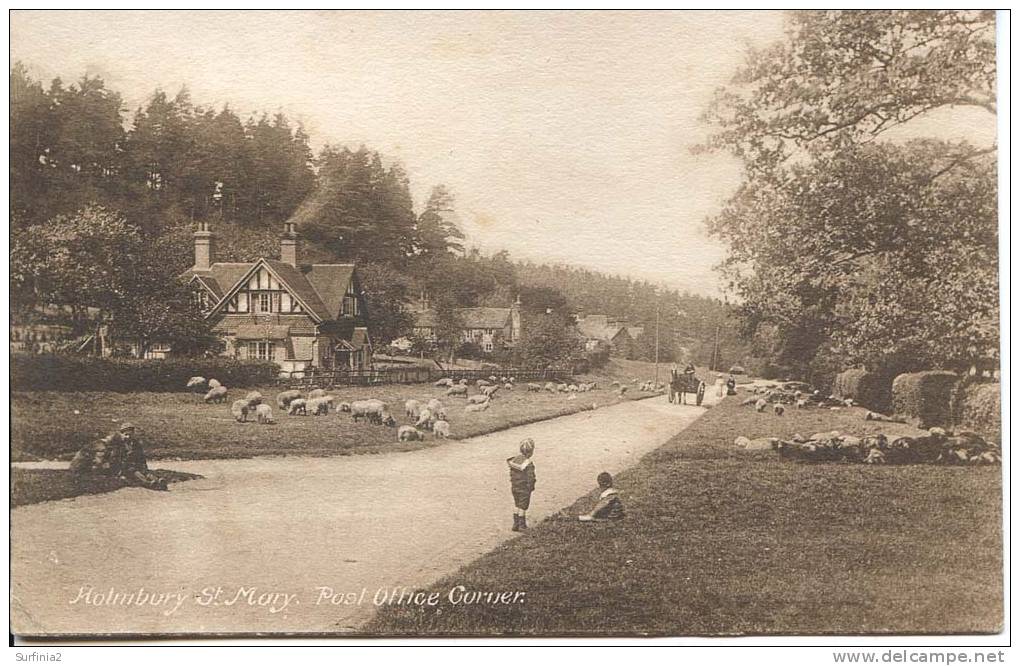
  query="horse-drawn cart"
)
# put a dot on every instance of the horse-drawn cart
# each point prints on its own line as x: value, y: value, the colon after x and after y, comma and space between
x: 680, y: 384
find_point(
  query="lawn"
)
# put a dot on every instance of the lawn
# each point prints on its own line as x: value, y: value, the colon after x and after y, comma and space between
x: 719, y: 541
x: 54, y: 425
x: 30, y: 486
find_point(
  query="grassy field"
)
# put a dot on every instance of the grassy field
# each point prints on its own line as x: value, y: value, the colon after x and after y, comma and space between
x: 719, y: 541
x: 30, y: 486
x: 54, y: 425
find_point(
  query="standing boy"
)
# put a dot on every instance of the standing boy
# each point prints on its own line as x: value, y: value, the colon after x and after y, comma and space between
x: 522, y: 483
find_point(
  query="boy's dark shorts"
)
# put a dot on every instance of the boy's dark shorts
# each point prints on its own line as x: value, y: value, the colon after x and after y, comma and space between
x: 522, y: 500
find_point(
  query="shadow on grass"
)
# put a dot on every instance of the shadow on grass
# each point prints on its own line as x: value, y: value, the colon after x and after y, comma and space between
x: 31, y: 486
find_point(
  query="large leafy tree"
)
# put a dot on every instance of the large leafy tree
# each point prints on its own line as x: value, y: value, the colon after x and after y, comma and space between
x: 842, y: 243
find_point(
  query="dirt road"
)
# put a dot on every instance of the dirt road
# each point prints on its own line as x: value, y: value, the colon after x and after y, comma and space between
x: 304, y: 545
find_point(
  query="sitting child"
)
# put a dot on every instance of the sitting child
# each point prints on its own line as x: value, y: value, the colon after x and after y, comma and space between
x: 609, y: 506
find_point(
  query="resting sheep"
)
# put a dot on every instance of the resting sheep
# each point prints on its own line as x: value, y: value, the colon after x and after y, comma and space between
x: 478, y: 399
x: 408, y: 433
x: 240, y: 410
x: 264, y: 413
x: 441, y: 429
x: 477, y: 408
x: 412, y: 408
x: 297, y: 406
x: 196, y: 383
x: 445, y: 381
x: 457, y: 390
x: 284, y: 398
x: 216, y: 394
x: 490, y: 390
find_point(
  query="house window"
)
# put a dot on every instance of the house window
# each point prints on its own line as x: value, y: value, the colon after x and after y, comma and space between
x: 200, y: 299
x: 487, y: 346
x: 265, y: 302
x: 263, y: 351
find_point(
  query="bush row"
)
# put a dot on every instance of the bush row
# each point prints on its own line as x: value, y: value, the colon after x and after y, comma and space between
x: 925, y: 397
x: 978, y: 407
x: 871, y: 389
x: 59, y: 372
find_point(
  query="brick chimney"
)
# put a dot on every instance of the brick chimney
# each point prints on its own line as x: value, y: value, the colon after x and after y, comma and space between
x: 288, y: 244
x: 203, y: 247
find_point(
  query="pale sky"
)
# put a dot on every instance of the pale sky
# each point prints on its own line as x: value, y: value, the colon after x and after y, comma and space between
x: 564, y: 136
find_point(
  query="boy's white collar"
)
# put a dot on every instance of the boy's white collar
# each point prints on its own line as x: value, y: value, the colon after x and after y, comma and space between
x: 607, y: 492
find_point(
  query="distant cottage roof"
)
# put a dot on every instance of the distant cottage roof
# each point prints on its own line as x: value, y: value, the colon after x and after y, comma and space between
x: 597, y: 327
x: 471, y: 318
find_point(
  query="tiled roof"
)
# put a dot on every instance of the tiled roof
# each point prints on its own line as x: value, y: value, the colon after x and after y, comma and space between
x: 296, y: 281
x: 330, y: 282
x: 595, y: 327
x: 471, y: 317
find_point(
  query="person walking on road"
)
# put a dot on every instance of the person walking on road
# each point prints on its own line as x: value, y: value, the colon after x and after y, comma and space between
x: 522, y: 483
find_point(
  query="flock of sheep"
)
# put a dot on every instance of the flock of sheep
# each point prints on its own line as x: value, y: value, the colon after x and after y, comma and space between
x: 797, y: 394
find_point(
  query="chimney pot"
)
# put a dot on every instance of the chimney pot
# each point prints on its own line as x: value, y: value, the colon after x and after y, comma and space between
x: 203, y: 247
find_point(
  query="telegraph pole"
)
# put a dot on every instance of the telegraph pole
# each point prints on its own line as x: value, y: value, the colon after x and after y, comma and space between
x: 656, y: 344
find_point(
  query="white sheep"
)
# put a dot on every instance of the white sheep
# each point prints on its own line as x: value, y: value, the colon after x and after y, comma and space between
x: 216, y: 394
x: 425, y: 419
x: 264, y: 413
x: 458, y: 390
x: 297, y: 406
x: 196, y: 383
x: 760, y: 404
x: 254, y: 398
x: 512, y: 380
x: 445, y: 381
x: 441, y: 429
x: 316, y: 393
x: 477, y: 408
x: 490, y: 390
x: 240, y: 410
x: 344, y: 408
x: 551, y: 387
x: 435, y: 405
x: 214, y: 384
x: 374, y: 411
x: 319, y: 406
x: 492, y: 378
x: 801, y: 403
x: 562, y: 388
x: 532, y: 388
x: 503, y: 379
x: 284, y: 398
x: 463, y: 381
x: 408, y: 433
x: 478, y: 399
x: 508, y: 386
x: 481, y: 382
x: 412, y: 408
x: 572, y: 388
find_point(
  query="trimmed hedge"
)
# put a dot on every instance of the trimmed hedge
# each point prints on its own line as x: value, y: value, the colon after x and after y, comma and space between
x: 59, y: 372
x: 925, y: 398
x: 978, y: 407
x: 871, y: 389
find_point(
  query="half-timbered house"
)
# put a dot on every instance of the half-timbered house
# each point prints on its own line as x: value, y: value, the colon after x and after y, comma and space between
x: 296, y: 315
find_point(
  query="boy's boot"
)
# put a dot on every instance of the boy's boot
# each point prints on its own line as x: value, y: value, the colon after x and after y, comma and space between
x: 517, y: 523
x: 524, y: 523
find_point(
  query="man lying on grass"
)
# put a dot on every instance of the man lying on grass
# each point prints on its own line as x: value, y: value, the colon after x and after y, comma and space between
x: 610, y: 506
x: 117, y: 455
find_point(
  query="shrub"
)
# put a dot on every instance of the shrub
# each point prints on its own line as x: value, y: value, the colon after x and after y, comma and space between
x: 737, y: 370
x: 871, y: 389
x: 59, y: 372
x: 925, y: 398
x: 978, y: 407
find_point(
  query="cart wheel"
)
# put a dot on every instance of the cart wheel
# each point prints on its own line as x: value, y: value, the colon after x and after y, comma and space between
x: 701, y: 392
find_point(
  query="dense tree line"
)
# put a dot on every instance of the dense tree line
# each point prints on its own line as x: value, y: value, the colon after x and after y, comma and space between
x: 112, y: 201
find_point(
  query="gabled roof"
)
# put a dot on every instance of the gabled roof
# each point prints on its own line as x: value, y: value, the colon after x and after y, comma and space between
x: 484, y: 317
x: 320, y: 288
x: 595, y: 327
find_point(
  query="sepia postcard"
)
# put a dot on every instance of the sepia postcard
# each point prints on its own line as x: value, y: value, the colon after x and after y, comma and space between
x: 505, y: 324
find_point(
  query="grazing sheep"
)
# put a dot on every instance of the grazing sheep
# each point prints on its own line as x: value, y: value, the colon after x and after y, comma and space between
x: 441, y: 429
x: 463, y: 382
x: 412, y: 408
x: 264, y: 413
x: 572, y: 388
x: 512, y: 380
x: 477, y: 408
x: 492, y: 378
x: 297, y: 406
x: 240, y: 410
x: 508, y: 386
x: 214, y: 384
x: 196, y: 383
x: 316, y: 393
x: 478, y: 399
x: 216, y: 394
x: 490, y: 390
x: 319, y: 406
x: 778, y: 409
x: 760, y: 404
x: 801, y: 403
x: 458, y: 390
x: 425, y: 419
x: 562, y: 388
x: 533, y: 388
x: 445, y: 381
x: 284, y: 398
x: 408, y: 433
x: 343, y: 407
x: 254, y: 398
x: 374, y: 411
x: 481, y: 382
